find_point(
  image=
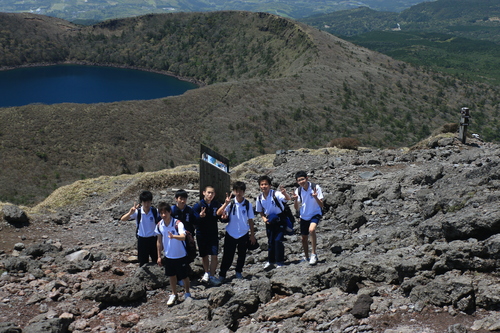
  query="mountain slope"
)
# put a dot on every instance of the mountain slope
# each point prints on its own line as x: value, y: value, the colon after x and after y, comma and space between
x: 272, y: 84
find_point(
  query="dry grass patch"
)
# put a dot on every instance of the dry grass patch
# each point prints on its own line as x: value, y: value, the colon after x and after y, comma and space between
x: 110, y: 189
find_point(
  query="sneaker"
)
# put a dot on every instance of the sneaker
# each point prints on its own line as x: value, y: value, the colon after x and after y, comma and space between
x: 239, y: 275
x: 172, y: 299
x: 304, y: 258
x: 187, y: 295
x: 268, y: 265
x: 279, y: 264
x: 221, y: 279
x: 215, y: 281
x: 205, y: 278
x: 314, y: 259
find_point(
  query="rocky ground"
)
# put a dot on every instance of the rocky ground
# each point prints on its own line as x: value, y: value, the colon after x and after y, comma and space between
x: 409, y: 243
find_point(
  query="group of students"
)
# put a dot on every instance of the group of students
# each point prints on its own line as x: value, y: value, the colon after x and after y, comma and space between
x: 161, y: 231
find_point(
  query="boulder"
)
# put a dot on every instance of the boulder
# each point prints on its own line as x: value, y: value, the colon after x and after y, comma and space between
x: 114, y: 292
x: 15, y: 216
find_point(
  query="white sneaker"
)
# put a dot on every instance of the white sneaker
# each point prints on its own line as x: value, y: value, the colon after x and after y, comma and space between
x: 205, y: 277
x: 267, y: 265
x: 172, y: 299
x: 313, y: 260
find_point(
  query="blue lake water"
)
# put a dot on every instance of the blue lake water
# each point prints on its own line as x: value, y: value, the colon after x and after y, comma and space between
x: 84, y: 84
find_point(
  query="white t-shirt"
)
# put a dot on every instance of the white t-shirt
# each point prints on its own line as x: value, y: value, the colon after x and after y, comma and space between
x: 268, y: 205
x: 172, y: 248
x: 238, y: 219
x: 309, y: 206
x: 147, y: 225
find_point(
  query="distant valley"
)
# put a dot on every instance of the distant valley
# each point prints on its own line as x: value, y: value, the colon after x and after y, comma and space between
x: 95, y: 11
x: 458, y: 37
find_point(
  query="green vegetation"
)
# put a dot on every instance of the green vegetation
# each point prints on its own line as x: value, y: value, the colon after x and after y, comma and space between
x: 478, y: 19
x: 465, y: 58
x: 458, y: 37
x: 268, y: 83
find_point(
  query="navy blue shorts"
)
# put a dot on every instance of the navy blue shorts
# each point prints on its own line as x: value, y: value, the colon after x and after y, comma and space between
x: 207, y: 245
x: 304, y: 225
x: 176, y: 267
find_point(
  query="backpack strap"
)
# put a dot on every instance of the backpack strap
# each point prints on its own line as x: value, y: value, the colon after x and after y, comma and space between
x: 276, y: 201
x: 155, y: 214
x: 313, y: 185
x: 231, y: 207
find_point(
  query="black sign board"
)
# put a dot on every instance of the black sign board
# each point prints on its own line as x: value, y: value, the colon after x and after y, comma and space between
x: 214, y: 171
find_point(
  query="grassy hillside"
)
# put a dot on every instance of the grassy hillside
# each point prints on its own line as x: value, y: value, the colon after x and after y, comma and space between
x: 271, y: 83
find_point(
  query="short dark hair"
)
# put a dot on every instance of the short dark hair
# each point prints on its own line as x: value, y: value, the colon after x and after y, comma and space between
x: 181, y: 193
x: 262, y: 178
x: 145, y: 196
x: 301, y: 174
x: 239, y: 186
x: 164, y: 207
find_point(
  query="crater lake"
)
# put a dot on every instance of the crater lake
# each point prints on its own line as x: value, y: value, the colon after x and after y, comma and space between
x: 84, y: 84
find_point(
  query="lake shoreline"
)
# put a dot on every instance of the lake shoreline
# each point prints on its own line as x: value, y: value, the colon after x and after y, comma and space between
x: 85, y: 63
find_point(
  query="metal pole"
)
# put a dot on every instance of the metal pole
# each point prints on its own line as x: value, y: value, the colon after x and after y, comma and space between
x: 464, y: 122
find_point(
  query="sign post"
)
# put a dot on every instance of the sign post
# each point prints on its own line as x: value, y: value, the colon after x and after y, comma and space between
x: 214, y: 171
x: 464, y: 122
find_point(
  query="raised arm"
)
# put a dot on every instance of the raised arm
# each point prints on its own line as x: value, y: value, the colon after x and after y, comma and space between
x: 132, y: 210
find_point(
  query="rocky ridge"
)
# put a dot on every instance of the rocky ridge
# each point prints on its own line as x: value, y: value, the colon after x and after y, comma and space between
x: 408, y: 243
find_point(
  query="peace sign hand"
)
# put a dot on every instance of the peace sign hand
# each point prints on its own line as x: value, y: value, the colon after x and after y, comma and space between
x: 314, y: 193
x: 134, y: 208
x: 228, y: 198
x: 284, y: 192
x: 203, y: 212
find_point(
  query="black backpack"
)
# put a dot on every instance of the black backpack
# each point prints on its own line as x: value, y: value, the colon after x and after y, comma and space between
x: 286, y: 214
x: 189, y: 244
x: 139, y: 216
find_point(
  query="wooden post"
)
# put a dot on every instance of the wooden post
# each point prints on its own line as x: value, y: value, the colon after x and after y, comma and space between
x: 464, y: 122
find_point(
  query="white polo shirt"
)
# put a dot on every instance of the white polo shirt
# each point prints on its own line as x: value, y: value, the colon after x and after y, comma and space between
x: 267, y: 205
x: 172, y: 248
x: 238, y: 219
x: 147, y: 225
x: 309, y: 207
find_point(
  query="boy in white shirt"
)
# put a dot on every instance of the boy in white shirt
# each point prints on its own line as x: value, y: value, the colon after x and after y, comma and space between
x: 308, y: 197
x: 271, y: 204
x: 171, y: 236
x: 146, y: 217
x: 239, y: 230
